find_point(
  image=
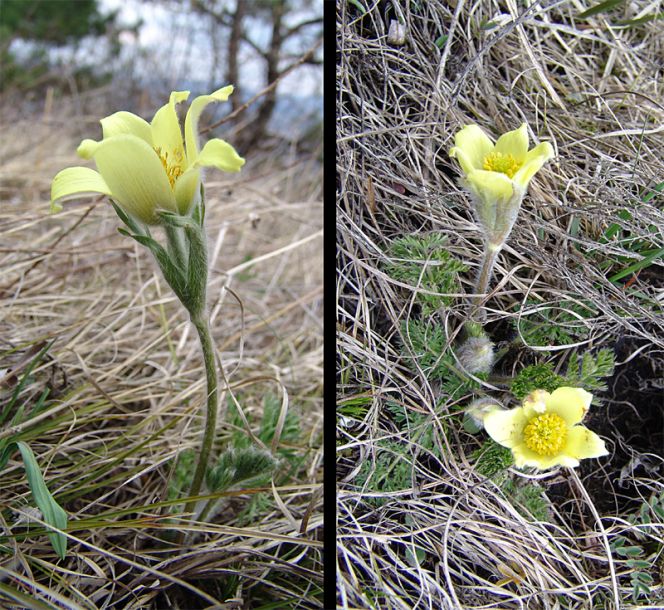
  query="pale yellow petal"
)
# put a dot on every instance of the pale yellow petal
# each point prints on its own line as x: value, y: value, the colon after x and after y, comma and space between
x: 165, y: 127
x: 465, y: 161
x: 583, y: 443
x: 126, y: 122
x: 187, y: 189
x: 514, y: 143
x: 525, y: 457
x: 506, y: 426
x: 471, y: 146
x: 219, y: 154
x: 75, y: 182
x: 533, y: 163
x: 490, y: 186
x: 87, y: 148
x: 194, y: 113
x: 570, y: 403
x: 535, y: 403
x: 136, y: 177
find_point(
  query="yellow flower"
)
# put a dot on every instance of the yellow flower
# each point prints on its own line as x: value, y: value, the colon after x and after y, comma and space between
x: 545, y: 430
x: 499, y: 170
x: 498, y: 174
x: 145, y: 167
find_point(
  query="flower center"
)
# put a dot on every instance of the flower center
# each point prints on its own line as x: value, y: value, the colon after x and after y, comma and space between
x: 500, y: 162
x: 545, y: 434
x: 172, y: 165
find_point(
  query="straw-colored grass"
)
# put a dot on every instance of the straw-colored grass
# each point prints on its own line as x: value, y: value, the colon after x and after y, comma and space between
x: 449, y: 538
x: 127, y: 387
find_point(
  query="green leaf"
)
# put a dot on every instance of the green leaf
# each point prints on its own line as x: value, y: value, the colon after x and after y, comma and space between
x: 358, y: 5
x: 638, y: 563
x: 52, y: 512
x: 651, y: 255
x: 441, y: 40
x: 629, y: 551
x: 602, y: 7
x: 640, y: 20
x: 23, y: 381
x: 643, y: 578
x: 128, y: 220
x: 655, y: 190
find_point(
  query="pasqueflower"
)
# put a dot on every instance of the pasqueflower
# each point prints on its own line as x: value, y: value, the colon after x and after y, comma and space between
x: 145, y: 167
x: 546, y: 430
x: 497, y: 175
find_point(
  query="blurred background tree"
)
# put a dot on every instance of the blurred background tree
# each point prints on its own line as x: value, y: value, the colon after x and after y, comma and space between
x: 38, y: 27
x: 293, y: 26
x: 270, y: 50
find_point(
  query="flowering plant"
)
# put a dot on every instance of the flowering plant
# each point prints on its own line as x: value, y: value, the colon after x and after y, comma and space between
x: 148, y: 167
x: 152, y: 173
x: 497, y: 176
x: 546, y: 430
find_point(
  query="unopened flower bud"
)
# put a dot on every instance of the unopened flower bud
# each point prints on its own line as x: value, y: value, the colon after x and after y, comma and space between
x: 476, y: 355
x: 473, y: 420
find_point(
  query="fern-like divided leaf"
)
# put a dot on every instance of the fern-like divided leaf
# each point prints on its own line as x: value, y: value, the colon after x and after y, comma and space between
x: 528, y: 498
x: 236, y: 466
x: 536, y: 377
x: 492, y: 459
x: 423, y: 262
x: 391, y: 471
x: 557, y: 323
x: 429, y: 351
x: 591, y: 371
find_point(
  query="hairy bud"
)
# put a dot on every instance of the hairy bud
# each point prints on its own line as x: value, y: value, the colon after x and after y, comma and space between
x: 476, y: 354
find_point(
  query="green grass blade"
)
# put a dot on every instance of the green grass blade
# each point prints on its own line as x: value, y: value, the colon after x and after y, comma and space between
x: 52, y: 512
x: 602, y: 7
x: 637, y: 266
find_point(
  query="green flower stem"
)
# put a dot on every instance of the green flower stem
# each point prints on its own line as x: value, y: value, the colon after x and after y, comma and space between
x: 176, y: 245
x: 207, y: 508
x: 205, y: 337
x: 486, y: 271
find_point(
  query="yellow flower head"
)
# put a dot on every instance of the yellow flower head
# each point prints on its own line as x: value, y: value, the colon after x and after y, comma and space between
x: 145, y: 167
x: 545, y: 431
x: 498, y: 172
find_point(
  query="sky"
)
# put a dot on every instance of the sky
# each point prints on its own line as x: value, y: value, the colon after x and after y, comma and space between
x: 180, y: 47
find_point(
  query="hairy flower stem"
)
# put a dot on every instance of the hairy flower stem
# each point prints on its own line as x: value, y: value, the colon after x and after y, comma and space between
x: 486, y: 271
x: 203, y: 329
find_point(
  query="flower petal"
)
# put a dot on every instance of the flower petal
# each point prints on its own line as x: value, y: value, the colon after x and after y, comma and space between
x: 76, y: 182
x: 523, y: 456
x: 471, y: 146
x: 533, y: 163
x: 570, y: 403
x: 87, y: 148
x: 506, y: 426
x: 514, y: 143
x: 219, y: 154
x: 165, y: 126
x: 491, y: 187
x: 535, y: 403
x: 126, y: 122
x: 187, y: 189
x: 136, y: 177
x: 194, y: 113
x: 465, y: 161
x: 583, y: 443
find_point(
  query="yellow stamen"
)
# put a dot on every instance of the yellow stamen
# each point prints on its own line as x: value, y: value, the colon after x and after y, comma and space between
x: 545, y: 434
x: 503, y: 163
x: 172, y: 166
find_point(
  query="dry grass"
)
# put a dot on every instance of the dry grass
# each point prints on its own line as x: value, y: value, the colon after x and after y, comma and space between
x: 451, y: 539
x: 127, y: 384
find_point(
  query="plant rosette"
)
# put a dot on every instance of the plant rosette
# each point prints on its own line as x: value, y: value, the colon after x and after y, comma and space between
x: 546, y: 431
